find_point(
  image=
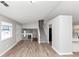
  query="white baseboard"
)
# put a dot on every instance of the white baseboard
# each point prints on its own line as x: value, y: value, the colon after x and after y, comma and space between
x: 48, y: 42
x: 39, y: 42
x: 76, y: 51
x: 8, y: 49
x: 44, y: 42
x: 66, y: 53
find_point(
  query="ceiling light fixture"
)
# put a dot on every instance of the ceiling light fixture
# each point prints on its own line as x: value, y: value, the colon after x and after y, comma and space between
x: 33, y: 1
x: 4, y: 3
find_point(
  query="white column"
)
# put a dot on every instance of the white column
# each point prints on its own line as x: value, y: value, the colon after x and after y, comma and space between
x: 62, y: 34
x: 65, y: 34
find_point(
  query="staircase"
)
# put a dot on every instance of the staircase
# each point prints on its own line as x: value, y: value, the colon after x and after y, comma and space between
x: 42, y: 32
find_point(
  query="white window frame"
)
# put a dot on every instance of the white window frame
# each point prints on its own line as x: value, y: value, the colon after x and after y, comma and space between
x: 7, y: 29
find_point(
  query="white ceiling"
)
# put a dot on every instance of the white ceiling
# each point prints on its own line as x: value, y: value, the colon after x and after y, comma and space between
x: 25, y: 12
x: 67, y: 8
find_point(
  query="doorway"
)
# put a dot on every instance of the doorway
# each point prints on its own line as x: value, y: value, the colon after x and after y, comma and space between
x: 50, y: 34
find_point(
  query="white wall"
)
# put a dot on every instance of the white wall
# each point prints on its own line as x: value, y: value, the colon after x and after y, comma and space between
x: 61, y: 34
x: 18, y: 32
x: 65, y: 34
x: 5, y: 45
x: 55, y: 34
x: 31, y: 25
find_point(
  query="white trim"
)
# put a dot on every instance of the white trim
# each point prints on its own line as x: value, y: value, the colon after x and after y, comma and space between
x: 38, y: 36
x: 44, y: 42
x: 56, y: 50
x: 8, y: 49
x: 67, y: 53
x: 48, y: 42
x: 75, y: 50
x: 39, y: 41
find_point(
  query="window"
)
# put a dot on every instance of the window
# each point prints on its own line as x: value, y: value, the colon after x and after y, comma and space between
x: 6, y: 30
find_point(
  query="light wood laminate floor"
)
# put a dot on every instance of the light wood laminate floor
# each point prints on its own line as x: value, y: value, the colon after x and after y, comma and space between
x: 33, y: 49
